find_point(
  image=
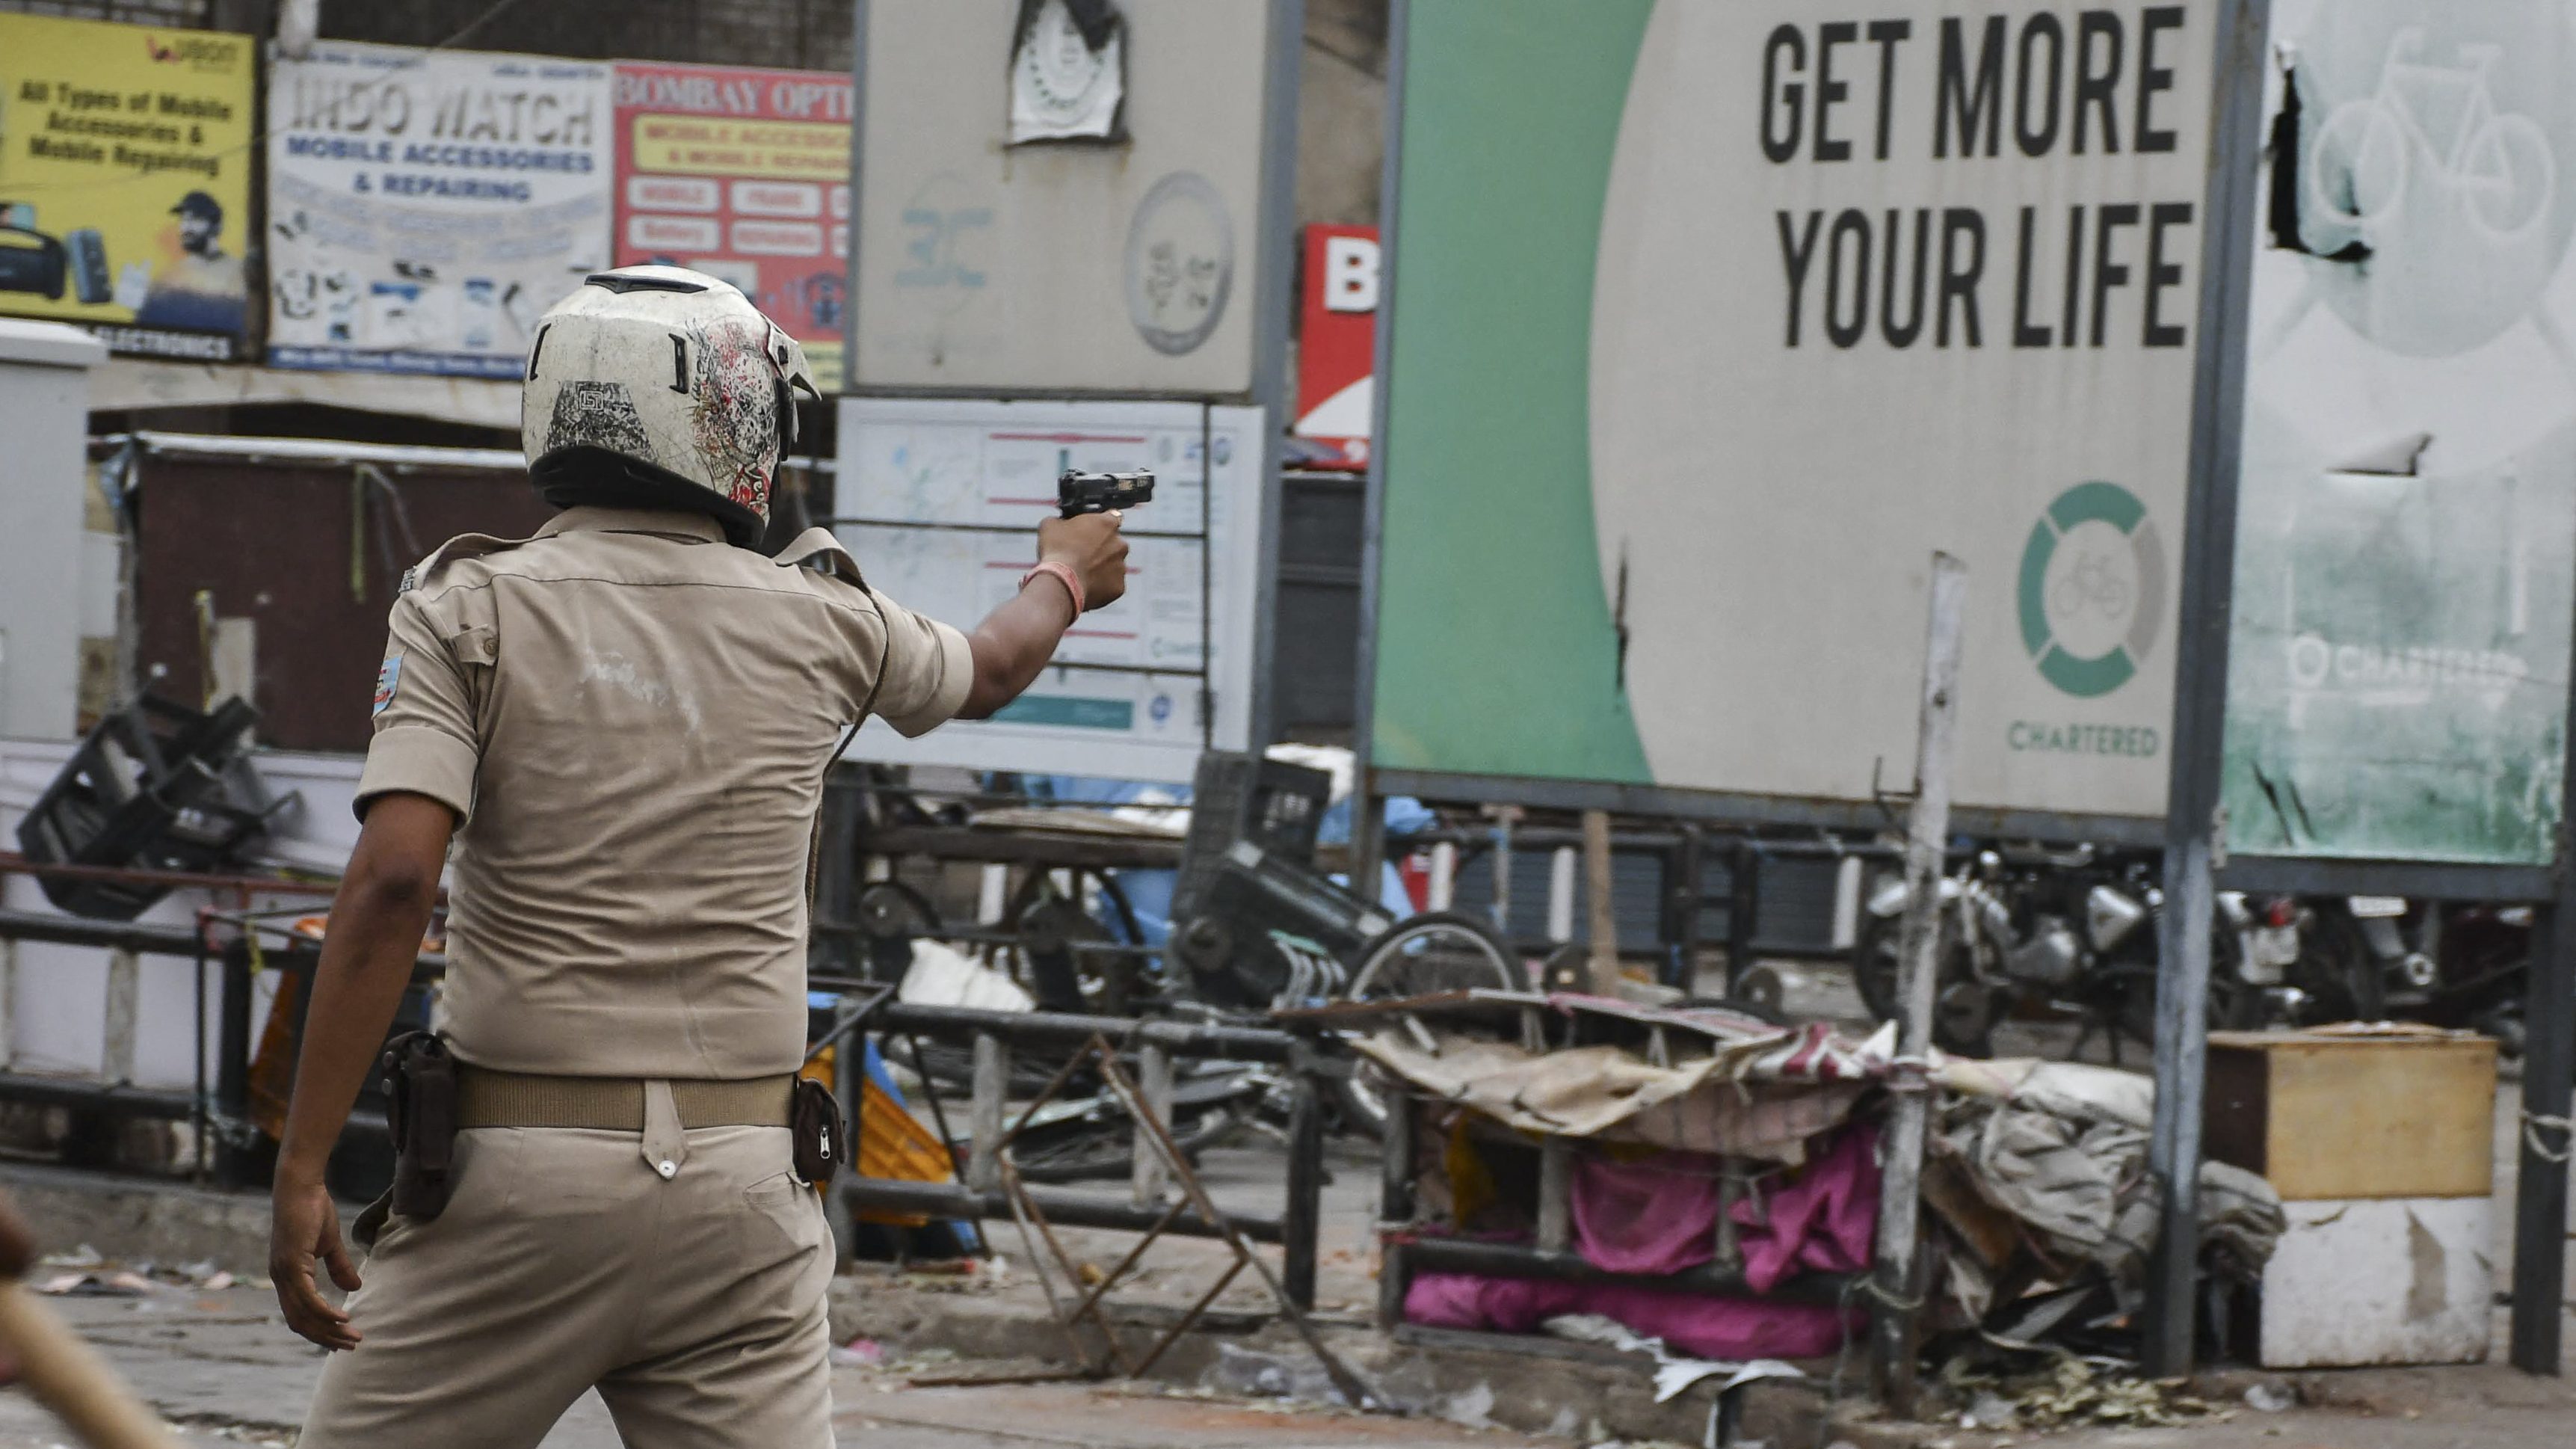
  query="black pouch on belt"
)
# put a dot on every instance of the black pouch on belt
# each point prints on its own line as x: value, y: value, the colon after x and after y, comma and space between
x: 420, y: 1077
x: 822, y: 1136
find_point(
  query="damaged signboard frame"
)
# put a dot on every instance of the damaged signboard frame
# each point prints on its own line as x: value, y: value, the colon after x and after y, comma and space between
x: 2407, y: 505
x: 2388, y: 712
x: 2099, y: 691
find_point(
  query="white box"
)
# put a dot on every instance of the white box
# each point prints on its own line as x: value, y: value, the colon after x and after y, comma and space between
x: 2380, y: 1281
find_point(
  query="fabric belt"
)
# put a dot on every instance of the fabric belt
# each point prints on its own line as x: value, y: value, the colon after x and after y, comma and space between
x: 614, y: 1104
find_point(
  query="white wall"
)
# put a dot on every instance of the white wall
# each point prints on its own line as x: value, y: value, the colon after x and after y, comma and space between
x: 44, y: 420
x: 57, y: 995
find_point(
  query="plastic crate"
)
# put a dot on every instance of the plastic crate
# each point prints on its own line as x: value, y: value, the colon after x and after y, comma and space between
x: 1275, y: 805
x: 156, y: 786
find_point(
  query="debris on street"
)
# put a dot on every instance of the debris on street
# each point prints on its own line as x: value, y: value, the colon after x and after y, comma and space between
x: 2073, y: 1392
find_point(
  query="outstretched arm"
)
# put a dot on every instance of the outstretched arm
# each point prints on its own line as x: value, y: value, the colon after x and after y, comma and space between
x: 1016, y: 640
x: 376, y: 923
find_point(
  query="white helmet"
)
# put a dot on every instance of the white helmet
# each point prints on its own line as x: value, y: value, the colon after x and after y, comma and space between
x: 660, y: 387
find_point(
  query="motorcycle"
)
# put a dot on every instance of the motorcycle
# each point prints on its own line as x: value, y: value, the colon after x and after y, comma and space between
x: 2455, y: 965
x: 2072, y: 930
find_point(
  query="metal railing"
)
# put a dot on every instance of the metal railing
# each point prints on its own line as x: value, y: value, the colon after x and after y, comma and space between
x: 977, y: 1192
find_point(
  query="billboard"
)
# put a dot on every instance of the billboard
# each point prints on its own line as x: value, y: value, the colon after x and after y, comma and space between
x: 1124, y: 258
x: 425, y: 207
x: 1710, y: 323
x: 2406, y: 534
x: 1337, y: 342
x: 745, y: 175
x: 125, y: 182
x: 942, y: 499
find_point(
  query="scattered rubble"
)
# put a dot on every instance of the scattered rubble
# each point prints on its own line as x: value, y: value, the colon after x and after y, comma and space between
x: 2071, y: 1393
x: 86, y: 1274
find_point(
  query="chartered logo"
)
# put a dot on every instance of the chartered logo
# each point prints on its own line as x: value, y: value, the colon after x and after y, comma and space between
x: 2092, y: 589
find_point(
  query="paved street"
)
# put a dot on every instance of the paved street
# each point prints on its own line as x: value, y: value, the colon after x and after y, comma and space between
x: 222, y: 1366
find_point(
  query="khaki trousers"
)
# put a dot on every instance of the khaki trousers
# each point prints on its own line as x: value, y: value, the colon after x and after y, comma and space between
x: 565, y: 1261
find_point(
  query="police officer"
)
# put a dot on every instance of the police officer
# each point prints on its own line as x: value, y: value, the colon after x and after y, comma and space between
x: 624, y: 723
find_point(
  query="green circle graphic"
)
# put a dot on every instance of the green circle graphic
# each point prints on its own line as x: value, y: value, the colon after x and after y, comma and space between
x: 2091, y: 676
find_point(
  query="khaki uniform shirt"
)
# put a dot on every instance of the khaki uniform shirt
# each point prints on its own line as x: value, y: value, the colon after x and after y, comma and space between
x: 631, y: 718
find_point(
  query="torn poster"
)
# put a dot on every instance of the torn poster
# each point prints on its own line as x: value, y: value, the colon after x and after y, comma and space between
x: 1068, y: 71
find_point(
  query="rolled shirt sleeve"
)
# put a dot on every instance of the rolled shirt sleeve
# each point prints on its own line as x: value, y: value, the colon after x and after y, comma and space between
x: 425, y: 741
x: 929, y: 670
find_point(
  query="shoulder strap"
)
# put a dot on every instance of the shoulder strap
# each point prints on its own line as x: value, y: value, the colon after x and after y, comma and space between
x: 463, y: 546
x: 818, y: 548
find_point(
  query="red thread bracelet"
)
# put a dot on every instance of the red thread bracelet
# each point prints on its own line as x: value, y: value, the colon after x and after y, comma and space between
x: 1063, y: 573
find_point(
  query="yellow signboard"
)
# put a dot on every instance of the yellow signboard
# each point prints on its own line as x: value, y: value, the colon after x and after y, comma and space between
x: 696, y: 145
x: 125, y: 157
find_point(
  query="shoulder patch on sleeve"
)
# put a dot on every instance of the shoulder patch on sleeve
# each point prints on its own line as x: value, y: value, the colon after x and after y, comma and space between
x: 388, y: 681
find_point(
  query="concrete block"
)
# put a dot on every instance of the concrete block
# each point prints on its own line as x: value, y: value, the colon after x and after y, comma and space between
x: 2379, y: 1281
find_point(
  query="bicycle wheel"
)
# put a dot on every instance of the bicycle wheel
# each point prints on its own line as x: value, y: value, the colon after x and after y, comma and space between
x: 1441, y: 951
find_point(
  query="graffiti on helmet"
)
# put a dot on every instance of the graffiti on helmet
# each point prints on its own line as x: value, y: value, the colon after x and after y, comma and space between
x: 735, y: 397
x: 598, y: 415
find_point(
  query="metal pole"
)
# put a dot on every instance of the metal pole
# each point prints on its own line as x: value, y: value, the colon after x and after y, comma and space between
x: 1394, y: 1202
x: 858, y: 218
x: 232, y: 1062
x: 2540, y: 1189
x: 2193, y: 830
x: 985, y: 1113
x: 9, y: 1007
x: 1273, y: 303
x: 1207, y: 587
x: 1301, y: 1219
x: 1743, y: 910
x: 1366, y: 834
x: 1681, y: 910
x: 1560, y: 895
x: 1154, y: 1082
x: 1555, y: 1194
x: 849, y: 1088
x: 2548, y: 1083
x: 124, y: 1001
x: 197, y: 1095
x: 1927, y: 826
x: 1604, y: 921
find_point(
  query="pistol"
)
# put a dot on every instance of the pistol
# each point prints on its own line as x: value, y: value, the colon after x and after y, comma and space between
x: 1080, y: 493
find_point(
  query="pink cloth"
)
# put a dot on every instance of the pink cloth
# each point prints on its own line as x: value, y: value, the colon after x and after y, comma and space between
x: 1823, y: 1222
x: 1651, y: 1215
x: 1721, y: 1328
x: 1658, y: 1215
